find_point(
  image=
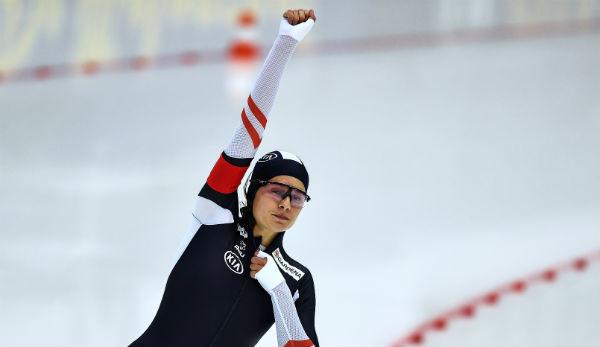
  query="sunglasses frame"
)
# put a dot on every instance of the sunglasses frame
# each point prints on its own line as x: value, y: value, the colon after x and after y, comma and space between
x: 289, y: 191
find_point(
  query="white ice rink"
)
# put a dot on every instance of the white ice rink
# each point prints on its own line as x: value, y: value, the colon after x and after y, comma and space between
x: 438, y: 172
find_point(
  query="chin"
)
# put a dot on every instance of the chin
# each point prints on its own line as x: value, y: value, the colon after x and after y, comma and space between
x: 279, y: 228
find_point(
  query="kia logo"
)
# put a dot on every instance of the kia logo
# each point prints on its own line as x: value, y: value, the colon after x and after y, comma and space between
x: 233, y: 262
x: 268, y: 156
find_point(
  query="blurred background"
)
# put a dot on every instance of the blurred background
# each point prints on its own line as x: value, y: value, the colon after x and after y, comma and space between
x: 453, y: 148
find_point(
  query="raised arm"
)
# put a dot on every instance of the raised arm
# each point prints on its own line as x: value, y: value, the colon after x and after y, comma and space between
x: 227, y: 173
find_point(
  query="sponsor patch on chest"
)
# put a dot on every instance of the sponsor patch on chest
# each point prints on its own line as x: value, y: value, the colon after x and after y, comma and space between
x: 233, y: 262
x: 285, y: 266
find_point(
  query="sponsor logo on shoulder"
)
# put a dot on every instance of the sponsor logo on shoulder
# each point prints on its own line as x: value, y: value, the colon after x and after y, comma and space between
x: 242, y: 231
x: 233, y: 262
x: 285, y: 266
x: 267, y: 157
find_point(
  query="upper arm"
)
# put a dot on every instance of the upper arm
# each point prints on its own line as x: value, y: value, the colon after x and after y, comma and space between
x: 225, y: 177
x: 217, y: 202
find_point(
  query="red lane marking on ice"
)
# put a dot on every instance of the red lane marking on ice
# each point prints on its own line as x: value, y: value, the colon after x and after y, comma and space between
x: 518, y: 286
x: 140, y: 63
x: 467, y: 310
x: 492, y: 298
x: 458, y: 36
x: 43, y: 72
x: 549, y: 275
x: 416, y: 338
x: 189, y: 58
x: 580, y: 264
x: 244, y: 50
x: 90, y: 67
x: 440, y: 324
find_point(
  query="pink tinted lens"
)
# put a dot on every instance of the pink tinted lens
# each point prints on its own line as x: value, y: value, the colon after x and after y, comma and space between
x: 276, y: 191
x: 298, y: 198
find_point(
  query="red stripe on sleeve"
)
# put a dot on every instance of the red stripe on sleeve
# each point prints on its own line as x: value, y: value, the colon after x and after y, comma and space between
x: 256, y: 112
x: 225, y: 177
x: 296, y: 343
x: 251, y: 131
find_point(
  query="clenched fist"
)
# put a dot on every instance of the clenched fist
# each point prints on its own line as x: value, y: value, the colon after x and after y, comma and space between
x: 297, y: 23
x: 256, y: 263
x: 299, y: 16
x: 264, y: 269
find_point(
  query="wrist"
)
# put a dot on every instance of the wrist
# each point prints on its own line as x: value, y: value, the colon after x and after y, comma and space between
x: 269, y: 276
x: 298, y: 31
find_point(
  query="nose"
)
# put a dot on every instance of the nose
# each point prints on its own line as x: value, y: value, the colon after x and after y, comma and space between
x: 285, y: 203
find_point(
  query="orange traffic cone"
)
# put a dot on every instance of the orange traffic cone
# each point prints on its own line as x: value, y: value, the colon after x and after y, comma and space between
x: 243, y: 55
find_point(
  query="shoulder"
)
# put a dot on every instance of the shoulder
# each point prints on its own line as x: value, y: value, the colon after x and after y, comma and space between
x: 292, y: 267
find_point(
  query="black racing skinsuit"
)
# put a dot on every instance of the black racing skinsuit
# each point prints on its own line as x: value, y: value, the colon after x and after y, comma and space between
x: 210, y: 298
x: 206, y: 301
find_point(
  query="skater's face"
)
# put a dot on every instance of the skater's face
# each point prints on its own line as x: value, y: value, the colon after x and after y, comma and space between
x: 272, y: 213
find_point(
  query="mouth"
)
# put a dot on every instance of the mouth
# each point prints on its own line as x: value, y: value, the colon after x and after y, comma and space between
x: 281, y: 217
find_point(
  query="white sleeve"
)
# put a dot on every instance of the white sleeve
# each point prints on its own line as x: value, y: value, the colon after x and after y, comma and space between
x: 248, y: 136
x: 287, y: 323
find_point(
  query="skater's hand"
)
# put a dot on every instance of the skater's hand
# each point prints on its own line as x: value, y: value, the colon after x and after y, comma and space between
x: 297, y: 23
x: 299, y: 16
x: 264, y: 269
x: 256, y: 263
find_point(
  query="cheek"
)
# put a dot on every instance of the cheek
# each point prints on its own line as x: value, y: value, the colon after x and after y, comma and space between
x: 256, y: 208
x: 260, y: 206
x: 294, y: 217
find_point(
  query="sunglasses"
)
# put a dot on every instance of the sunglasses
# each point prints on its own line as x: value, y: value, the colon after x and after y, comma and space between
x: 280, y: 191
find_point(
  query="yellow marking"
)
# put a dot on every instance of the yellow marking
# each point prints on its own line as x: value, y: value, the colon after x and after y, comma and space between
x: 95, y: 28
x: 24, y: 26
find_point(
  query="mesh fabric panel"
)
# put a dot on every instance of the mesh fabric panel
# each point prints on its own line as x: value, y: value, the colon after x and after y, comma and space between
x: 263, y: 94
x: 287, y: 323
